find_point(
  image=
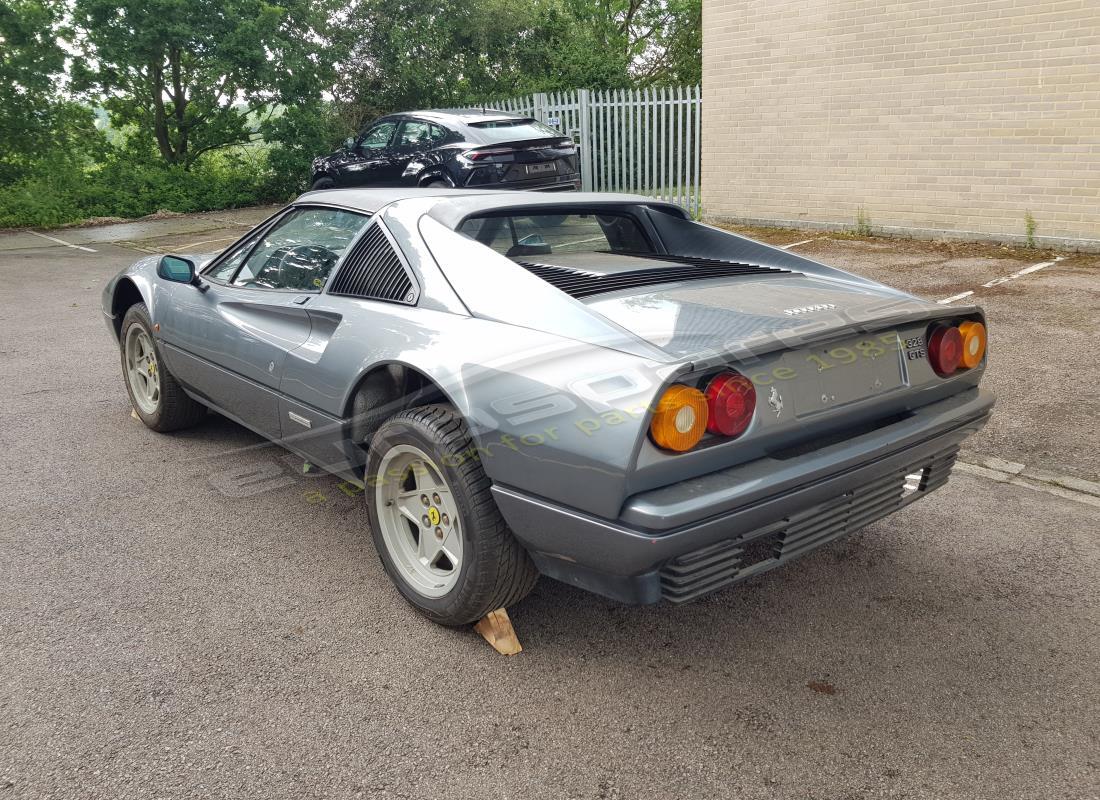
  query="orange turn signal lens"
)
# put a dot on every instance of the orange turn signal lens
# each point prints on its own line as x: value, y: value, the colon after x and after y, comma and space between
x: 680, y: 419
x: 974, y: 339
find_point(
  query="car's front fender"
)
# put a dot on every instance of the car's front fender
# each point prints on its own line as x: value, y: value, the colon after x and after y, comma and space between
x: 141, y: 275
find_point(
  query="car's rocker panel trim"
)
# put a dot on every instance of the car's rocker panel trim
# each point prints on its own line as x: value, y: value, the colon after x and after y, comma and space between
x: 326, y: 443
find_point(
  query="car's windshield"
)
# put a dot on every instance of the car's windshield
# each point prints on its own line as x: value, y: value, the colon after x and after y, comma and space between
x: 511, y: 130
x: 552, y: 231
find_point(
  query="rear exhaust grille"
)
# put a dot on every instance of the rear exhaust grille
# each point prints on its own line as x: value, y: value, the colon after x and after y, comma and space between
x: 734, y: 560
x: 583, y: 283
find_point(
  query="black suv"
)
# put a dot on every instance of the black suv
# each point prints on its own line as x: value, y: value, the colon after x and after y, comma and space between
x: 462, y: 148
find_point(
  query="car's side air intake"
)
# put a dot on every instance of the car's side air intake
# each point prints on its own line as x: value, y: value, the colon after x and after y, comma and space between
x: 374, y: 271
x: 581, y: 283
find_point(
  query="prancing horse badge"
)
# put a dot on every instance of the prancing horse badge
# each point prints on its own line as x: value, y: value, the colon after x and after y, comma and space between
x: 775, y: 400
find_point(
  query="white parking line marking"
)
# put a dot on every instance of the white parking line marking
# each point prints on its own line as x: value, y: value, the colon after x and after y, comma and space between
x: 1003, y: 279
x: 183, y: 247
x: 1021, y: 272
x: 796, y: 244
x: 1036, y: 481
x: 954, y: 297
x: 138, y: 247
x: 61, y: 241
x: 567, y: 245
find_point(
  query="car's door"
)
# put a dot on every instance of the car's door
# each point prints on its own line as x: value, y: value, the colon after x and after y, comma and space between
x: 369, y: 164
x: 411, y: 149
x: 229, y: 341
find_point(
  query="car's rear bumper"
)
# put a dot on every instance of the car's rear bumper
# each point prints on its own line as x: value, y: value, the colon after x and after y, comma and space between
x: 554, y: 183
x: 681, y: 541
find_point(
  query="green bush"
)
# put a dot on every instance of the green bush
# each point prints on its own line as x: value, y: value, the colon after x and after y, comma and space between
x: 298, y: 134
x: 125, y: 185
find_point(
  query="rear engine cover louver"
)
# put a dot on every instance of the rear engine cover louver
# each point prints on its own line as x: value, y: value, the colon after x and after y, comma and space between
x: 581, y: 283
x: 374, y: 271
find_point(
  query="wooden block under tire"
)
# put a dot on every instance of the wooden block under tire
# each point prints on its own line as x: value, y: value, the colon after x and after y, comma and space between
x: 496, y: 628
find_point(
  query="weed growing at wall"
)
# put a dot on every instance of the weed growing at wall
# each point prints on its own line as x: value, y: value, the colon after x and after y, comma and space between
x: 1030, y: 226
x: 863, y: 222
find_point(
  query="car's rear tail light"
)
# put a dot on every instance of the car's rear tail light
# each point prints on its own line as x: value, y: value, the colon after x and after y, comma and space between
x: 490, y: 155
x: 731, y: 402
x: 973, y: 343
x: 945, y: 349
x: 680, y: 419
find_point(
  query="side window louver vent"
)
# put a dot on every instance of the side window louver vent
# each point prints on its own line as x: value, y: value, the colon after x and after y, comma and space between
x: 374, y: 271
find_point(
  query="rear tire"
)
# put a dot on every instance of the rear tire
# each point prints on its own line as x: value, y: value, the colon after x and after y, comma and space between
x: 452, y: 557
x: 155, y: 394
x: 436, y: 183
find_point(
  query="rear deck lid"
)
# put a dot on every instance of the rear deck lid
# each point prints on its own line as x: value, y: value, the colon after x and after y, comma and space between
x: 755, y: 310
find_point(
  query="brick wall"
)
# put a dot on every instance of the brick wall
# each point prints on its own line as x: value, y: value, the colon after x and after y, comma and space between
x: 938, y: 117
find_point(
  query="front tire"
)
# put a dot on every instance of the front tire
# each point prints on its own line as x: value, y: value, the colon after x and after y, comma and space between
x: 322, y: 183
x: 155, y: 394
x: 437, y: 529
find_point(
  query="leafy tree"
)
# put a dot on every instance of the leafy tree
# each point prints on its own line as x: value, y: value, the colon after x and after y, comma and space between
x: 187, y: 73
x: 298, y: 133
x: 655, y: 41
x: 424, y: 53
x: 563, y: 51
x: 30, y: 58
x: 36, y: 124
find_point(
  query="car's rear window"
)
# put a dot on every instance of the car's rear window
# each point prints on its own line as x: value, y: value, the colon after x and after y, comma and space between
x: 511, y: 130
x: 526, y: 235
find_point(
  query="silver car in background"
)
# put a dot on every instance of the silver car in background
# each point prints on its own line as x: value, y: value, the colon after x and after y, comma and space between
x: 592, y: 387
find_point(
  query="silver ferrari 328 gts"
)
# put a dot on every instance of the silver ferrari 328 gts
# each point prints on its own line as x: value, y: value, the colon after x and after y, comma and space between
x: 592, y: 387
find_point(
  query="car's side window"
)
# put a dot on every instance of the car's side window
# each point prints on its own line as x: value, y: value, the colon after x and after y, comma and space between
x: 414, y: 134
x: 438, y: 134
x: 299, y: 252
x: 378, y: 136
x: 227, y: 268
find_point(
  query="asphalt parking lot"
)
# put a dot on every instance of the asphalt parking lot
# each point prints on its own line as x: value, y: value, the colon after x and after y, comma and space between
x: 159, y: 638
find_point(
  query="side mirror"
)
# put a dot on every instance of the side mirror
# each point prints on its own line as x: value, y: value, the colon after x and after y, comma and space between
x: 349, y: 143
x: 176, y: 269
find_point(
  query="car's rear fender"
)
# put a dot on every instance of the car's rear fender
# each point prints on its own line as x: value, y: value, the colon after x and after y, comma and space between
x: 434, y: 172
x: 530, y: 398
x: 558, y: 419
